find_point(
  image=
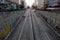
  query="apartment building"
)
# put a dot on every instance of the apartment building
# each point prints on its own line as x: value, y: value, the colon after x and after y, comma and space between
x: 16, y: 1
x: 41, y: 4
x: 2, y: 1
x: 54, y: 3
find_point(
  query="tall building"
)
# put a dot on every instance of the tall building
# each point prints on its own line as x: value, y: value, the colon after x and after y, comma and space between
x: 41, y: 4
x: 35, y: 3
x: 23, y: 3
x: 16, y: 1
x: 54, y: 3
x: 2, y: 1
x: 20, y: 1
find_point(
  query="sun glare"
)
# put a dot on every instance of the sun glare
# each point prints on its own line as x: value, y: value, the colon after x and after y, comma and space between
x: 29, y: 2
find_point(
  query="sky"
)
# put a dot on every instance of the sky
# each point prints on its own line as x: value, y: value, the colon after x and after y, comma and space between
x: 29, y: 2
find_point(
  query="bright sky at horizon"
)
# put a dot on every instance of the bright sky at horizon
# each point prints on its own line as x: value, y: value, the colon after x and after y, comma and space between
x: 29, y: 2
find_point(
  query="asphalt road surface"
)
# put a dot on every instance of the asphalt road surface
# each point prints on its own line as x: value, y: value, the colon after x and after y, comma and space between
x: 32, y: 27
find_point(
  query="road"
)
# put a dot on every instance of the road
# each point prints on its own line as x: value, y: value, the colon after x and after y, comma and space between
x: 32, y: 27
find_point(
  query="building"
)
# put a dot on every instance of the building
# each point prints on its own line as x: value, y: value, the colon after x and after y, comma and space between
x: 35, y: 3
x: 53, y: 3
x: 41, y: 4
x: 3, y: 1
x: 3, y: 4
x: 16, y: 1
x: 24, y: 3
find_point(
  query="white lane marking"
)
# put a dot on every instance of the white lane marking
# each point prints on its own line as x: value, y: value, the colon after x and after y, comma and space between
x: 23, y: 27
x: 47, y: 36
x: 39, y: 24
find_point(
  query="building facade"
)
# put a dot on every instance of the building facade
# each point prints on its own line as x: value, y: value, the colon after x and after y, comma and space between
x: 53, y: 3
x: 35, y: 3
x: 16, y: 1
x: 41, y: 4
x: 2, y: 1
